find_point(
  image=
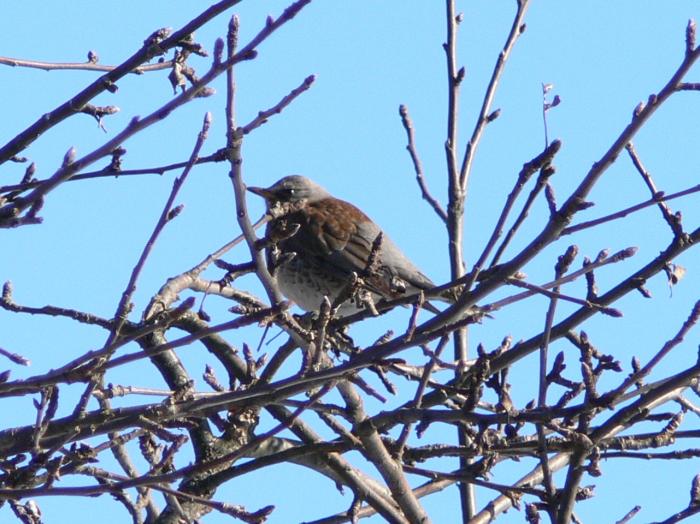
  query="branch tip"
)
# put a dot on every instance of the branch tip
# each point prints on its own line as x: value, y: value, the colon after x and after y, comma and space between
x: 690, y: 37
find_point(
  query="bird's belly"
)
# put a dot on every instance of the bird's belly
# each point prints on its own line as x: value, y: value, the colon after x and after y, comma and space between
x: 307, y: 283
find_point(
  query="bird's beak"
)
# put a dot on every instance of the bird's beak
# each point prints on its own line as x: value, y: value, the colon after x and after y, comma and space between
x: 261, y: 191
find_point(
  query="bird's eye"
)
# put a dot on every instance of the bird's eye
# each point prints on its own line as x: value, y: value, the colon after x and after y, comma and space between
x: 290, y: 191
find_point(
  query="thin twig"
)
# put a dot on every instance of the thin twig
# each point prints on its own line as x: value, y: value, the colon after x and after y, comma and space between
x: 659, y: 197
x: 109, y: 171
x: 420, y: 390
x: 7, y: 303
x: 417, y: 165
x: 456, y: 194
x: 166, y: 216
x: 672, y: 221
x: 263, y: 116
x: 517, y: 28
x: 554, y: 295
x: 80, y: 66
x: 528, y: 169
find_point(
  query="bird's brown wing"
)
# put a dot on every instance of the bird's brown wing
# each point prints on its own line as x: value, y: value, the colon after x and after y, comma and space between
x: 338, y: 236
x: 329, y: 229
x: 342, y: 236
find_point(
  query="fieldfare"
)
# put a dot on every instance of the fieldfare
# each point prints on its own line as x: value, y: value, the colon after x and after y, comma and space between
x: 316, y: 242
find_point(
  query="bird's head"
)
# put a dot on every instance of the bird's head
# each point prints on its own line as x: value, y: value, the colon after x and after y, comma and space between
x: 292, y: 189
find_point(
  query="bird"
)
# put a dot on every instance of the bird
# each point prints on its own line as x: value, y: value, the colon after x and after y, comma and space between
x: 316, y: 244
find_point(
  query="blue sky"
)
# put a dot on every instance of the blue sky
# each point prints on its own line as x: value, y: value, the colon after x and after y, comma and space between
x: 345, y: 133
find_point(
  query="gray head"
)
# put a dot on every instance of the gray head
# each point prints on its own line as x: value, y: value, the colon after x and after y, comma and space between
x: 291, y: 189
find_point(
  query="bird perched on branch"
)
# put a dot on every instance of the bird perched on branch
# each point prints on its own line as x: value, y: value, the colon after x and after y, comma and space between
x: 320, y: 246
